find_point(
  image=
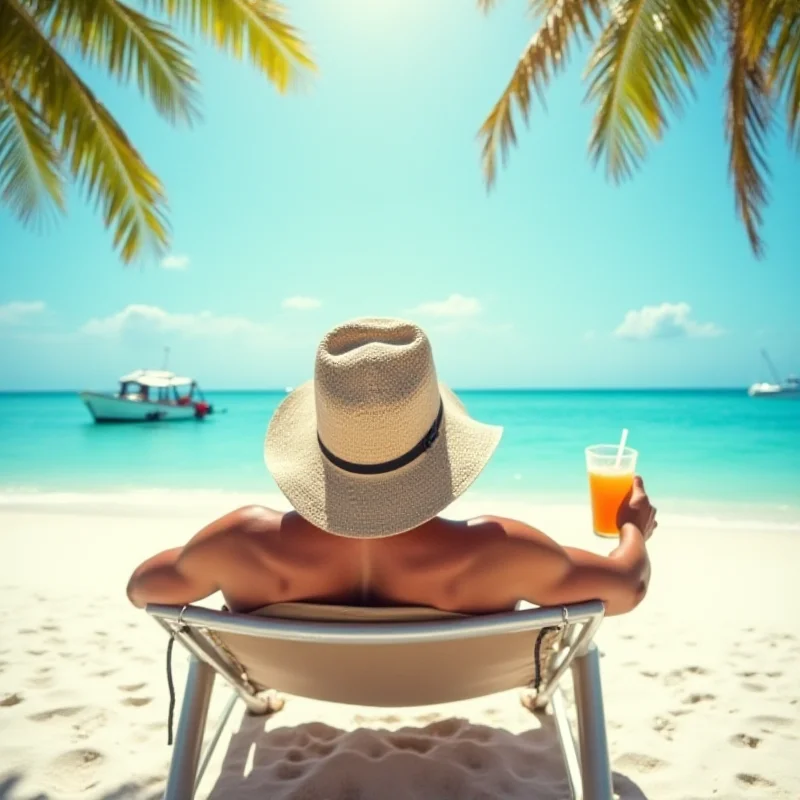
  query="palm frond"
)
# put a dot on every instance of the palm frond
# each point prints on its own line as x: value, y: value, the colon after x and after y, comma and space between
x: 29, y: 171
x: 748, y: 118
x: 127, y: 44
x: 487, y: 5
x: 544, y: 55
x: 784, y: 67
x: 96, y: 149
x: 258, y: 26
x: 641, y: 68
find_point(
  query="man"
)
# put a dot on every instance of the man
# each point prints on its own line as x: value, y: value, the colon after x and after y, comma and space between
x: 368, y: 454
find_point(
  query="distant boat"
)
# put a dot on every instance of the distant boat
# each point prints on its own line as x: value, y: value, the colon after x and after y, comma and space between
x: 788, y: 388
x: 149, y: 395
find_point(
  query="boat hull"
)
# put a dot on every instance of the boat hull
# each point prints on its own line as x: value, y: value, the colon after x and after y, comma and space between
x: 773, y: 390
x: 108, y: 408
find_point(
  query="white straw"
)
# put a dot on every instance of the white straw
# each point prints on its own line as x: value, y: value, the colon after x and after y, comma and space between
x: 621, y: 448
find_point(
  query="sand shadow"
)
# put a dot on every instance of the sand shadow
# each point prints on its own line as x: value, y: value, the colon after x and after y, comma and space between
x: 447, y: 758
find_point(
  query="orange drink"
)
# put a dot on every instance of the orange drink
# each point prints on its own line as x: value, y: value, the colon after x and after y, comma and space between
x: 610, y: 480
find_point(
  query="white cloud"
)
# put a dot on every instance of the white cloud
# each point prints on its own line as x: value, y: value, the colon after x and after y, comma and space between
x: 18, y: 311
x: 454, y: 306
x: 667, y: 321
x: 175, y: 261
x: 300, y: 303
x: 142, y: 319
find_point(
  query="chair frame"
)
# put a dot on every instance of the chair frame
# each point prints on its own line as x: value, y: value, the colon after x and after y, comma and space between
x: 587, y: 761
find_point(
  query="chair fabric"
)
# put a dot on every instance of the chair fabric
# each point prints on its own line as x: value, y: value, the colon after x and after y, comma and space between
x: 424, y: 673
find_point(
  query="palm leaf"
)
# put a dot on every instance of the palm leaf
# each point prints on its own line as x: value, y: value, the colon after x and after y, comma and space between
x: 259, y: 26
x: 128, y: 44
x: 29, y: 172
x: 96, y: 149
x: 784, y: 67
x: 749, y: 113
x: 640, y: 69
x: 774, y: 25
x: 544, y: 55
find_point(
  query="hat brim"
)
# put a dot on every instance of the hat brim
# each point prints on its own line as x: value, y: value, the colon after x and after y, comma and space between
x: 371, y: 506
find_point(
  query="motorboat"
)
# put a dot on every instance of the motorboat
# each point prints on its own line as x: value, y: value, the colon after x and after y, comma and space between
x: 149, y: 395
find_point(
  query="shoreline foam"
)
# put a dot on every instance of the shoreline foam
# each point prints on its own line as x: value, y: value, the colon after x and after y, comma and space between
x: 673, y: 512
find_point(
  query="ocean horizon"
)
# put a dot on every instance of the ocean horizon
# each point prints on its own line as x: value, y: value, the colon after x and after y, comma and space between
x: 697, y: 447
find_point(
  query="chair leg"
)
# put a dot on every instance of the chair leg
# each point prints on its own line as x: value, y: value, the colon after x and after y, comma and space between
x: 569, y: 751
x: 181, y: 782
x: 595, y: 766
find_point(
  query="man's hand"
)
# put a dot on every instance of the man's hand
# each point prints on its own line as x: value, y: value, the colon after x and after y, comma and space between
x: 636, y: 510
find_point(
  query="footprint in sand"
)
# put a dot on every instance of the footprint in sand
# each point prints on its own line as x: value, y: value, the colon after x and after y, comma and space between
x: 664, y: 726
x: 677, y: 676
x: 693, y: 699
x: 39, y: 681
x: 90, y: 723
x: 132, y: 687
x: 50, y: 628
x: 768, y: 723
x: 647, y: 674
x: 103, y: 673
x: 754, y: 687
x: 74, y: 771
x: 745, y: 740
x: 8, y: 700
x: 746, y: 779
x: 639, y: 762
x: 45, y: 716
x: 137, y: 701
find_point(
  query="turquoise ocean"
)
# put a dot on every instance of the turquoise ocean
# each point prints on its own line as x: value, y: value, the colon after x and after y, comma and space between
x: 699, y: 448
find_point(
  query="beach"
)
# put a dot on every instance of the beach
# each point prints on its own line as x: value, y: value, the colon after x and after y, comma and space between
x: 701, y: 689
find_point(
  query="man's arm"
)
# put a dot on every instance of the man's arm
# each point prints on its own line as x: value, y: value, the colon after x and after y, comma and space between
x: 543, y: 572
x: 620, y: 579
x: 186, y: 574
x: 175, y: 577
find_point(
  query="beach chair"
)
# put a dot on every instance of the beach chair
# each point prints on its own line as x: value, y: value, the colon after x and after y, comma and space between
x: 391, y: 657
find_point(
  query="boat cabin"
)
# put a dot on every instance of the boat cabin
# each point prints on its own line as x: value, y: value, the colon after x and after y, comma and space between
x: 158, y: 386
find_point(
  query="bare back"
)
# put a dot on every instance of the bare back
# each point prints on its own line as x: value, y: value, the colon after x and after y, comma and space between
x: 270, y: 557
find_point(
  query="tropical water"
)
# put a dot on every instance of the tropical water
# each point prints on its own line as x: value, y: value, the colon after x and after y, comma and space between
x: 715, y: 447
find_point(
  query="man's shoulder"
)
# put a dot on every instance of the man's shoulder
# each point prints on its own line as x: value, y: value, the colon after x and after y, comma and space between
x: 510, y: 530
x: 238, y: 524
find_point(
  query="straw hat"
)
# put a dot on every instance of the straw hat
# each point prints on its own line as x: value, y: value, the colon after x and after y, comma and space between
x: 375, y: 445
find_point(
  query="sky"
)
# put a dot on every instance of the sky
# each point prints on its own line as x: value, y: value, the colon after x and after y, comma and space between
x: 361, y: 194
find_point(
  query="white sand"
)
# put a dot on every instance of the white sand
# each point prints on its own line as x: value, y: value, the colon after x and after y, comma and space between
x: 701, y: 682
